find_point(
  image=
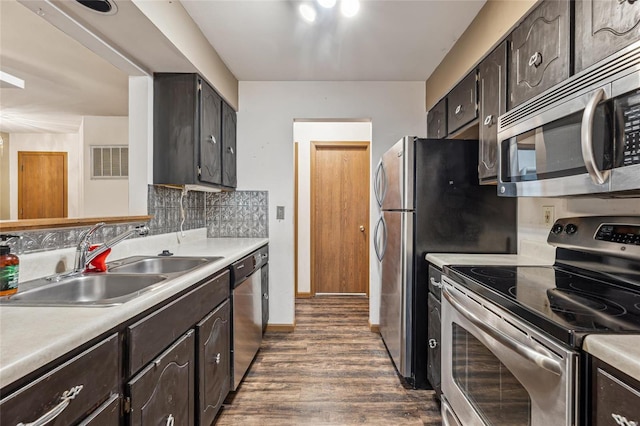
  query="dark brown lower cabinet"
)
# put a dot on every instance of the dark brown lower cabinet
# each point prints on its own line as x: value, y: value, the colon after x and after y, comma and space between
x: 163, y: 392
x: 434, y: 370
x: 213, y: 335
x: 73, y: 390
x: 615, y: 397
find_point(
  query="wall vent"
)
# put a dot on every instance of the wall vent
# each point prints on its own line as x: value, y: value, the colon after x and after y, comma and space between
x: 110, y: 162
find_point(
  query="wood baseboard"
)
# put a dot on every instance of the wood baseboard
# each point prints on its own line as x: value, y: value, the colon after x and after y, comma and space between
x: 281, y: 328
x: 375, y: 328
x: 304, y: 295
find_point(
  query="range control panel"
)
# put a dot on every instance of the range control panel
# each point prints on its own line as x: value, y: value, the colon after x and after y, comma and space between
x: 623, y: 234
x: 612, y: 235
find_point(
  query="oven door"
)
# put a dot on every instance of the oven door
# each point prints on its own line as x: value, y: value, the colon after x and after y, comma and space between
x: 564, y: 150
x: 496, y: 370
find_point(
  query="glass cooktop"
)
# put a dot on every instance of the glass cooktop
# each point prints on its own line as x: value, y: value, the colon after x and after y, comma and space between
x: 566, y: 304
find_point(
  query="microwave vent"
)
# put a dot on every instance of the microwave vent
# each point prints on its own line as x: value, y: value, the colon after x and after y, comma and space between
x: 605, y: 71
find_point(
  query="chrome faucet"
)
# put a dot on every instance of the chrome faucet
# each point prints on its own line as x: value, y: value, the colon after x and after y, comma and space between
x: 84, y: 256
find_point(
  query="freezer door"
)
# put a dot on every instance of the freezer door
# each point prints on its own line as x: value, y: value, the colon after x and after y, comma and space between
x: 396, y: 291
x: 397, y: 173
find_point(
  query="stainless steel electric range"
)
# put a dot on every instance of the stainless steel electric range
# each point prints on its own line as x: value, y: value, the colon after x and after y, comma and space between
x: 512, y: 335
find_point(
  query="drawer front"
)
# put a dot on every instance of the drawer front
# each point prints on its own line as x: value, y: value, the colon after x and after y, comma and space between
x: 492, y: 80
x: 437, y: 120
x: 462, y: 103
x: 603, y: 27
x: 95, y: 371
x: 539, y: 51
x: 435, y: 281
x: 214, y: 362
x: 243, y: 267
x: 108, y: 414
x: 616, y: 401
x: 163, y: 393
x: 151, y: 335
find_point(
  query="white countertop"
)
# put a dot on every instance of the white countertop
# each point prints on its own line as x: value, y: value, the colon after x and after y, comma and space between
x: 531, y: 254
x: 619, y: 351
x: 31, y: 337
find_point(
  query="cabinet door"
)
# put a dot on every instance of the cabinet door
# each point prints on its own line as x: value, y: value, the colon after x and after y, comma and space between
x: 210, y: 133
x: 615, y: 397
x: 437, y: 120
x: 434, y: 367
x: 462, y: 103
x: 214, y: 362
x: 265, y: 297
x: 228, y: 146
x: 72, y: 390
x: 492, y: 76
x: 540, y: 49
x: 604, y: 27
x: 163, y: 393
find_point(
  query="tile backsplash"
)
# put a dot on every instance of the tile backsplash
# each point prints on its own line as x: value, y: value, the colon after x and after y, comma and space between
x: 237, y: 214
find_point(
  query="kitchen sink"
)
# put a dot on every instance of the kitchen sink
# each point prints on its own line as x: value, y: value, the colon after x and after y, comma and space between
x: 158, y: 265
x: 91, y: 289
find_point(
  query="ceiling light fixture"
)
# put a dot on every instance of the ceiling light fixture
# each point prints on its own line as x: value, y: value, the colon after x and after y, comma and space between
x: 349, y: 8
x: 328, y: 4
x: 308, y: 12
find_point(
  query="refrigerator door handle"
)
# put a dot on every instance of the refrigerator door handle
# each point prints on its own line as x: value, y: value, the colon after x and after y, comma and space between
x: 375, y: 240
x: 385, y: 237
x: 376, y: 184
x: 385, y: 183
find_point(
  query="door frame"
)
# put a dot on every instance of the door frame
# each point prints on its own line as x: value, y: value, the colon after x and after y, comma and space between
x: 312, y: 230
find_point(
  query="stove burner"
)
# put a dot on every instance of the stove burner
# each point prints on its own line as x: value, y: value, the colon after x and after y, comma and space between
x: 578, y: 302
x: 496, y: 273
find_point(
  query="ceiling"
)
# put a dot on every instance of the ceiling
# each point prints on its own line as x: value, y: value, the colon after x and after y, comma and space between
x: 259, y: 40
x: 389, y: 40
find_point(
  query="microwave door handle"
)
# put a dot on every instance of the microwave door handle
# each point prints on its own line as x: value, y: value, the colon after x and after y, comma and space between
x: 598, y: 177
x: 539, y: 359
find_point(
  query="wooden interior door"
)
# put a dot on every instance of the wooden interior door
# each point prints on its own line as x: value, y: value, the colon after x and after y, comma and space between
x: 42, y: 185
x: 340, y: 217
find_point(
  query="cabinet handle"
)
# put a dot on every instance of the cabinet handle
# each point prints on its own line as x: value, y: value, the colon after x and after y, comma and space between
x: 231, y: 150
x: 458, y: 109
x: 622, y: 420
x: 433, y: 343
x: 266, y: 296
x: 488, y: 120
x: 218, y: 356
x: 170, y: 420
x: 435, y: 283
x: 212, y: 139
x: 535, y: 60
x: 241, y: 266
x: 65, y: 400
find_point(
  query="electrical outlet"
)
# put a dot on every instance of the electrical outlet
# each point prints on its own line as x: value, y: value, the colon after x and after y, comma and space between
x: 547, y: 215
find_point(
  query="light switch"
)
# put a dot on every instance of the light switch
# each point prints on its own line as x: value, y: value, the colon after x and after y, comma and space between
x: 280, y: 212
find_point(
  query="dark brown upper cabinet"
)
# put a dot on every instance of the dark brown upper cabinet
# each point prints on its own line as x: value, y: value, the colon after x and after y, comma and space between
x: 540, y: 51
x: 192, y: 127
x: 492, y: 79
x: 437, y: 120
x: 604, y: 27
x: 462, y: 103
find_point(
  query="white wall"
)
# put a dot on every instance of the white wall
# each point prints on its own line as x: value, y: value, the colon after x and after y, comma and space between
x: 304, y: 133
x: 67, y: 142
x: 104, y: 197
x: 265, y: 154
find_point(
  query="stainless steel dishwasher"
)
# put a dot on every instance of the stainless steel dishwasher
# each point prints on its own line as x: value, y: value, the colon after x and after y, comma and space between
x: 247, y: 313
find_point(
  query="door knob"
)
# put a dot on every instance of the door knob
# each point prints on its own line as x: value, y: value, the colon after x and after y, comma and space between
x: 361, y: 228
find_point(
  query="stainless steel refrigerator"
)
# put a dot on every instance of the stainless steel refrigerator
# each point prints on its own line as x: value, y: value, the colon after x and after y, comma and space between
x: 431, y: 202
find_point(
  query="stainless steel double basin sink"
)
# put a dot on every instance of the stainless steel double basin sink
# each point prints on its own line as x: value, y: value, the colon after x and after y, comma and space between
x: 124, y: 280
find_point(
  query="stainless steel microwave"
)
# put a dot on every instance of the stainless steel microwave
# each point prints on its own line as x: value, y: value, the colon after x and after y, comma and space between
x: 580, y: 137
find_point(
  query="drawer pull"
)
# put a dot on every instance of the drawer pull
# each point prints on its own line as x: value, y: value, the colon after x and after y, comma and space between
x: 240, y: 266
x: 458, y: 109
x: 266, y: 296
x: 170, y: 420
x: 622, y: 420
x: 218, y: 357
x: 535, y: 60
x: 488, y: 120
x: 435, y: 283
x: 212, y: 139
x: 65, y: 400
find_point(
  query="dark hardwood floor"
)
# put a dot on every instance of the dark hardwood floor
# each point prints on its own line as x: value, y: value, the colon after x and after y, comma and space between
x: 331, y: 371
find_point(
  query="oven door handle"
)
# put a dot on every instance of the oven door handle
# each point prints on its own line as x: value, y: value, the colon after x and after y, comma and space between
x: 598, y: 176
x: 539, y: 359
